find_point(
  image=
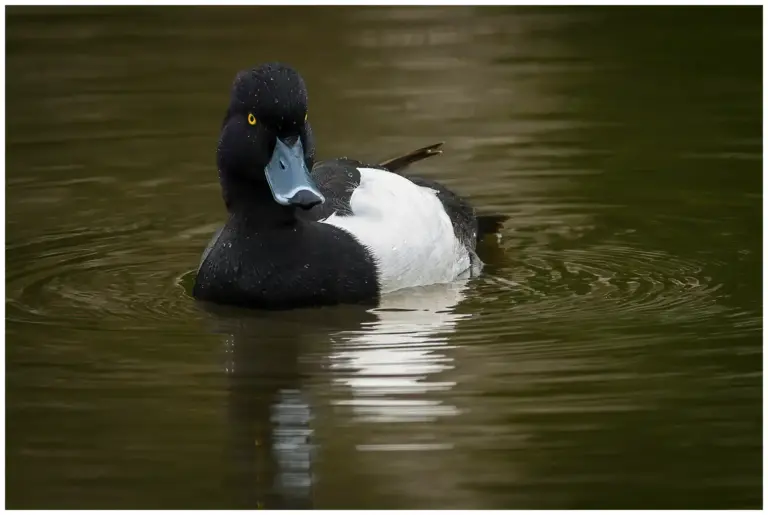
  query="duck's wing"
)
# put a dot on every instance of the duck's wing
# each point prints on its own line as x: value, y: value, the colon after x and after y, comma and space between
x: 338, y: 178
x: 469, y: 225
x: 398, y: 164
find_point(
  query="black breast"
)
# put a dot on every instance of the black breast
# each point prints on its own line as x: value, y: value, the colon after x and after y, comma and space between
x: 307, y: 264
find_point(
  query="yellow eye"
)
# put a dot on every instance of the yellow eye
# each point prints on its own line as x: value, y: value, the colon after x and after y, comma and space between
x: 305, y: 117
x: 251, y: 119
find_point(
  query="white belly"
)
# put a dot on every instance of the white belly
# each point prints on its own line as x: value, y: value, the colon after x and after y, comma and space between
x: 406, y: 229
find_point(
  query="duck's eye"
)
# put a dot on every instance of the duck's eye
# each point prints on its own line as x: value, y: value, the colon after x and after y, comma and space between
x: 251, y: 119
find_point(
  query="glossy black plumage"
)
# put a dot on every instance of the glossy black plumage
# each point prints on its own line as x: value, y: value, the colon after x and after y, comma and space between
x: 303, y: 264
x: 277, y: 256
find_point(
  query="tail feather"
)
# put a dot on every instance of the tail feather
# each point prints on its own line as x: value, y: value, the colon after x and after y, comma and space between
x: 489, y: 224
x: 397, y: 164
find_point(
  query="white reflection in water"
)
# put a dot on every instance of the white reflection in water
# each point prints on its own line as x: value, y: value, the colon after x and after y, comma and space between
x: 292, y: 446
x: 392, y: 365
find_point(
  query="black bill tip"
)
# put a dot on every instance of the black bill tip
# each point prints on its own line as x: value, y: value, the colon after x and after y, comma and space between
x: 305, y: 199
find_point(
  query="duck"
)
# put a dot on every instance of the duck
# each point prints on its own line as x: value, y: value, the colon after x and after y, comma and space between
x: 301, y: 233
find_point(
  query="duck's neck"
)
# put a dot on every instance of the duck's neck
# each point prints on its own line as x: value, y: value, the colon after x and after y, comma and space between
x: 253, y: 204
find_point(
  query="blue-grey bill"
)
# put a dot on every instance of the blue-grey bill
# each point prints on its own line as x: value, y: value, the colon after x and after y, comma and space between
x: 289, y: 179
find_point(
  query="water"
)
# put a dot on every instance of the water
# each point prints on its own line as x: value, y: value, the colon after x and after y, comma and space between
x: 609, y: 357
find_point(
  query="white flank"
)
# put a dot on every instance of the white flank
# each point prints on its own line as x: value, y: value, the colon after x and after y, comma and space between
x: 406, y: 229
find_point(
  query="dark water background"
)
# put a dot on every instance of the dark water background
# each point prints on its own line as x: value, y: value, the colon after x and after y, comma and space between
x: 610, y: 356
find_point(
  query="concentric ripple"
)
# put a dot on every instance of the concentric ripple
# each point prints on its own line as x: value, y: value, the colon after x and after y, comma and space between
x: 613, y: 282
x: 112, y: 278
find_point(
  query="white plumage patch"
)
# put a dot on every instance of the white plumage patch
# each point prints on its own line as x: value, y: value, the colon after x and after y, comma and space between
x: 406, y: 229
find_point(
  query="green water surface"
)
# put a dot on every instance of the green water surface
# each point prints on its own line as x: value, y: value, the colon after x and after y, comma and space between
x: 609, y: 357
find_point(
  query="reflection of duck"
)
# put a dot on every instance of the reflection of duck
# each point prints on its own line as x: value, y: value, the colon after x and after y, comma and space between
x: 270, y: 410
x: 398, y: 352
x: 346, y: 232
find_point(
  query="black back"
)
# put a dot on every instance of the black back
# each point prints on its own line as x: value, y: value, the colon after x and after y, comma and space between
x: 337, y: 179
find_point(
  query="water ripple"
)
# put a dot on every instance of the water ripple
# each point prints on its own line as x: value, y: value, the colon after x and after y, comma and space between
x: 103, y: 278
x: 607, y: 280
